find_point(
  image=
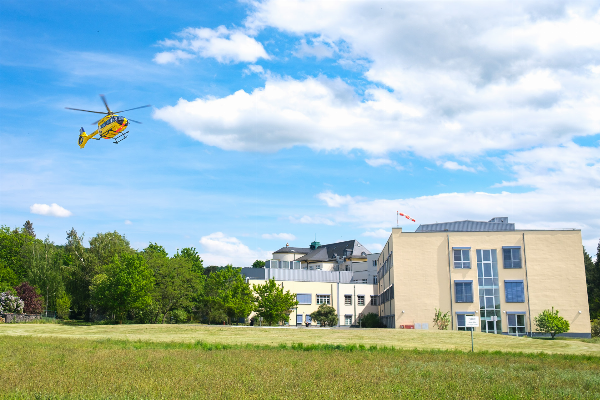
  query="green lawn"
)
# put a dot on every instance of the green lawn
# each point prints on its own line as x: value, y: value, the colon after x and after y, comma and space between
x: 400, y: 339
x: 61, y: 367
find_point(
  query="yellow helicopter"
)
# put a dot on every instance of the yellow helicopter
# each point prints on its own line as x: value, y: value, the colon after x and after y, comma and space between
x: 110, y: 127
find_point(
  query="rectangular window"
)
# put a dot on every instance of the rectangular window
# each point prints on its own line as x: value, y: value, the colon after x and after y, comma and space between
x: 512, y: 257
x: 318, y: 267
x: 516, y: 323
x: 308, y: 318
x: 347, y: 300
x: 463, y: 291
x: 515, y: 292
x: 460, y: 322
x: 374, y: 300
x: 299, y: 319
x: 374, y: 280
x: 348, y: 319
x: 285, y: 264
x: 374, y: 263
x: 360, y: 300
x: 461, y: 258
x: 304, y: 298
x: 323, y: 299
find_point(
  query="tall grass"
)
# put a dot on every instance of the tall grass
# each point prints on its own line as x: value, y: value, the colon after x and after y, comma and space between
x: 98, y: 369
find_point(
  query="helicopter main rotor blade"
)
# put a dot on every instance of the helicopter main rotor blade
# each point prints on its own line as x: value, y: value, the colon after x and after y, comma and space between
x: 96, y: 123
x: 149, y: 105
x: 105, y: 104
x: 78, y: 109
x: 133, y: 120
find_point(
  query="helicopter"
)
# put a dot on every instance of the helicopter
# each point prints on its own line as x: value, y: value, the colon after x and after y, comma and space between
x: 112, y: 126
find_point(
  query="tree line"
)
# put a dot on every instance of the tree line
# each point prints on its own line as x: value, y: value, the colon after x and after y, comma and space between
x: 108, y: 279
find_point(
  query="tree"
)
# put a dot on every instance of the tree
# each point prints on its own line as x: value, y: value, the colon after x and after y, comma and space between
x: 63, y: 306
x: 11, y: 251
x: 550, y: 322
x: 441, y: 320
x: 175, y: 282
x: 258, y: 264
x: 325, y: 315
x: 156, y: 248
x: 125, y: 286
x: 28, y: 228
x: 80, y: 268
x: 371, y: 320
x: 592, y: 277
x: 32, y: 299
x: 272, y: 303
x: 105, y: 246
x: 190, y: 254
x: 226, y: 295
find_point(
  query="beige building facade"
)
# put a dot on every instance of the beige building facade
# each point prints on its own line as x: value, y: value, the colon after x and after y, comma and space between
x: 504, y: 276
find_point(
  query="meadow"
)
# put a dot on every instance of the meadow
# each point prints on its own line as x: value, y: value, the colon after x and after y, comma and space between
x: 52, y: 361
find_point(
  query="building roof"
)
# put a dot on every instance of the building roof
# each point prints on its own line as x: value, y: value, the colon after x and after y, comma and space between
x: 494, y: 225
x: 329, y: 252
x: 288, y: 249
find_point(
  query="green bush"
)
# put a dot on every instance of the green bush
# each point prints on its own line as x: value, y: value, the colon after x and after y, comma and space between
x: 371, y: 320
x: 179, y: 317
x: 63, y: 306
x: 550, y: 322
x: 596, y: 327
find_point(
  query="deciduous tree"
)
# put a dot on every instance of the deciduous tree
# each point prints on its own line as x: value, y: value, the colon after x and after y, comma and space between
x: 258, y: 264
x: 592, y: 277
x: 272, y: 303
x: 325, y: 315
x: 31, y: 297
x: 550, y: 322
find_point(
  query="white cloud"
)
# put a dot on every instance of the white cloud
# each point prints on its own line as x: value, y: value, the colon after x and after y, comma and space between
x: 334, y: 200
x: 453, y: 165
x: 374, y: 247
x: 318, y: 50
x: 379, y: 233
x: 222, y: 44
x: 564, y: 184
x: 378, y: 162
x: 312, y: 220
x: 53, y: 210
x: 220, y: 249
x: 282, y: 236
x: 128, y: 222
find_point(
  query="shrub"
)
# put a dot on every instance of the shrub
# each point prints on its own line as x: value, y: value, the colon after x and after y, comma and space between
x: 63, y: 306
x: 179, y: 316
x: 371, y: 320
x: 33, y: 301
x: 596, y: 327
x: 10, y: 304
x: 441, y: 320
x: 550, y: 322
x: 325, y: 315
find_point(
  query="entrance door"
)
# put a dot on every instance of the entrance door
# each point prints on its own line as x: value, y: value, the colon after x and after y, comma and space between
x: 491, y: 326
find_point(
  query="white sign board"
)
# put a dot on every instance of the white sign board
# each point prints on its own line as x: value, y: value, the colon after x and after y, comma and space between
x: 471, y: 321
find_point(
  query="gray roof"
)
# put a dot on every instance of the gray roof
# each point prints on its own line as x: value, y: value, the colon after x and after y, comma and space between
x: 287, y: 249
x: 329, y: 252
x: 494, y: 225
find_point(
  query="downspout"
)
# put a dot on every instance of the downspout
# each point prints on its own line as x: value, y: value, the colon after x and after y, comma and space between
x: 354, y: 302
x: 527, y: 283
x: 450, y: 283
x: 338, y: 300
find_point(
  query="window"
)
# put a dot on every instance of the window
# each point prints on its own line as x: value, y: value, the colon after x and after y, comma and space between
x: 299, y: 319
x: 374, y: 280
x: 304, y: 298
x: 285, y: 264
x: 348, y: 319
x: 460, y: 322
x: 463, y: 291
x: 374, y: 263
x: 461, y: 258
x: 318, y: 267
x: 323, y: 299
x: 512, y: 257
x: 360, y: 300
x: 308, y: 318
x: 514, y: 291
x: 516, y: 323
x: 347, y: 300
x: 374, y: 300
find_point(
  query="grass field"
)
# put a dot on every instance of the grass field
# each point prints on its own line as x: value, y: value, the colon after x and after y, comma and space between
x: 52, y: 368
x: 399, y: 339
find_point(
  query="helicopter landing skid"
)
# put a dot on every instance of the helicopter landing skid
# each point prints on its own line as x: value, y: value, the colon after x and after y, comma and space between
x: 121, y: 137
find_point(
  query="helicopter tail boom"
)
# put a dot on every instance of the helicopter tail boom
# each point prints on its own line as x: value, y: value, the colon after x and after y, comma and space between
x: 83, y: 137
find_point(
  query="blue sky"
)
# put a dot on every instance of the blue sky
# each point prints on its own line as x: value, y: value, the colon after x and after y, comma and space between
x: 276, y: 121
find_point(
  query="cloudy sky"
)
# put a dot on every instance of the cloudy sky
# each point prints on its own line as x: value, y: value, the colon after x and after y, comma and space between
x: 276, y: 122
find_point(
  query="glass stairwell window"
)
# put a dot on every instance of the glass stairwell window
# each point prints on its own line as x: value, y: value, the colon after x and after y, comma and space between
x: 489, y: 291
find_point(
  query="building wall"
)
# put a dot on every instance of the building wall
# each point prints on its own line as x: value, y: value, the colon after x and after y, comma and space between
x: 287, y: 256
x: 336, y: 291
x: 423, y: 275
